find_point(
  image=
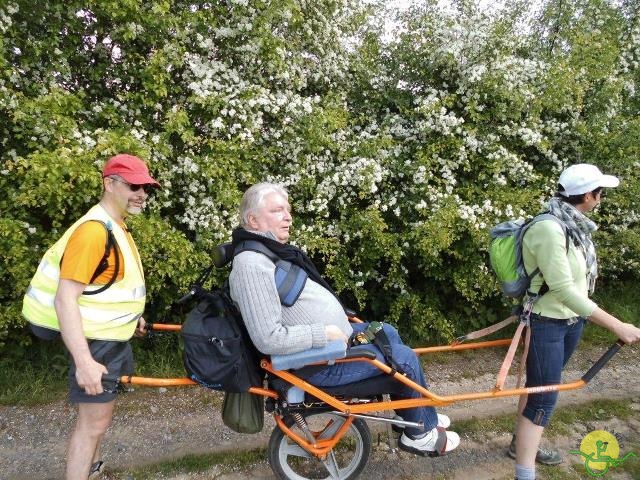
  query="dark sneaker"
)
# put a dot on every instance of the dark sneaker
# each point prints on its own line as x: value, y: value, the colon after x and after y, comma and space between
x: 96, y: 469
x: 544, y: 456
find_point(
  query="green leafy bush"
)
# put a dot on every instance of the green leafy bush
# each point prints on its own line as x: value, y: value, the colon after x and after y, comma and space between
x: 399, y: 151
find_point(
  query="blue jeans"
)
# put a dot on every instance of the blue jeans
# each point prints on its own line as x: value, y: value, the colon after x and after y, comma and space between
x: 553, y: 342
x: 407, y: 360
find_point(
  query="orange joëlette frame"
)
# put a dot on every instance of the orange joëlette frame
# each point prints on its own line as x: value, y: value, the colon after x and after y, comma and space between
x: 320, y: 448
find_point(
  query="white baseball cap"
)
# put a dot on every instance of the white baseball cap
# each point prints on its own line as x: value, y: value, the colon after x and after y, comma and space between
x: 584, y: 177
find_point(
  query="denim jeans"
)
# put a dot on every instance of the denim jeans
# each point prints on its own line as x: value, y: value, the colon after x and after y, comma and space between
x: 553, y: 342
x: 407, y: 360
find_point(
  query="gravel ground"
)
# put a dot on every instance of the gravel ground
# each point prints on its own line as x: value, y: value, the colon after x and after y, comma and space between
x: 152, y: 425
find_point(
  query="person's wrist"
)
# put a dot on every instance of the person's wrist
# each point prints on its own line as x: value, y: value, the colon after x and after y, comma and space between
x: 318, y: 336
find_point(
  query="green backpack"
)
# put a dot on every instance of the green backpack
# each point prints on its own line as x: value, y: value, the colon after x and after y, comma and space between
x: 505, y: 254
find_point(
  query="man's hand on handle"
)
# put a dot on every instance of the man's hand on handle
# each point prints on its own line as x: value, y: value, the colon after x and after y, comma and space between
x: 89, y: 376
x: 141, y: 328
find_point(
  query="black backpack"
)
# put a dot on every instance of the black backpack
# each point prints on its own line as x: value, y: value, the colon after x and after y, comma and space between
x: 218, y: 352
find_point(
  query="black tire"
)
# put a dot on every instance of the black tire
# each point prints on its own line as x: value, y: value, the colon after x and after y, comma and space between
x: 289, y: 461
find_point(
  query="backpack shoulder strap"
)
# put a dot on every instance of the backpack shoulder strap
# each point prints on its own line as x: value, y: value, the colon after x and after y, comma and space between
x: 550, y: 216
x: 544, y: 288
x: 104, y: 262
x: 290, y: 278
x: 255, y: 246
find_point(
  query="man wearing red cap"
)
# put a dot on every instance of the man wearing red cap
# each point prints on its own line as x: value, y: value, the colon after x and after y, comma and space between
x: 90, y: 287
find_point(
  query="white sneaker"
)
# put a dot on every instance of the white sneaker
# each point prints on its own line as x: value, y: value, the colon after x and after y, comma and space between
x: 443, y: 421
x: 434, y: 444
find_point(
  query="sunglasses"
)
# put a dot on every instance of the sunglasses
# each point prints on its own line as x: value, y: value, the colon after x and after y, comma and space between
x: 147, y: 187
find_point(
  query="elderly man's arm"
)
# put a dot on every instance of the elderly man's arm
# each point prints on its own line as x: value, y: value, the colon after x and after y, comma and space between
x: 253, y: 289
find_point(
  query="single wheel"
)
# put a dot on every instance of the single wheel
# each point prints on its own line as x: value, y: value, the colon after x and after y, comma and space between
x: 289, y: 461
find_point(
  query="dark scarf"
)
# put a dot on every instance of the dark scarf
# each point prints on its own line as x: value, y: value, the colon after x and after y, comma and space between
x: 286, y: 252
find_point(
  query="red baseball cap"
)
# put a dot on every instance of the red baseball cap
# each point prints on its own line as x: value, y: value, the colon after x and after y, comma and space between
x: 130, y: 168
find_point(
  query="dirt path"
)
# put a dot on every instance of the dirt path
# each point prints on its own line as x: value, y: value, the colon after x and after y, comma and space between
x: 151, y: 425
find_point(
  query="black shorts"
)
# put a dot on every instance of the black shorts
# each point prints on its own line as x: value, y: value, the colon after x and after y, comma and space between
x: 117, y: 358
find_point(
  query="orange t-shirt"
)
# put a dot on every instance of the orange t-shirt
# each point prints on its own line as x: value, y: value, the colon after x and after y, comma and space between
x: 84, y: 251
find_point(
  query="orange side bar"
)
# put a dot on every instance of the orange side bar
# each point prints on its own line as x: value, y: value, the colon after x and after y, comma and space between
x: 265, y: 392
x: 427, y: 399
x: 166, y: 327
x: 157, y: 382
x: 184, y: 382
x: 463, y: 346
x: 447, y: 400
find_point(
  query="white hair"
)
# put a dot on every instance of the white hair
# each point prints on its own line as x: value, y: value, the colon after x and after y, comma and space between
x: 253, y: 199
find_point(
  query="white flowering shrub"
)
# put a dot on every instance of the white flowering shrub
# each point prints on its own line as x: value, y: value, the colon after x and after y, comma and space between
x: 463, y: 121
x: 399, y: 151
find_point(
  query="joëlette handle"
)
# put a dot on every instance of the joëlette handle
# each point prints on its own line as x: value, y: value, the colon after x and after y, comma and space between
x: 602, y: 361
x: 110, y: 382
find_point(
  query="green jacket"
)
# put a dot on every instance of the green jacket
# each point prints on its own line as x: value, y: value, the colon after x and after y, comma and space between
x: 565, y: 272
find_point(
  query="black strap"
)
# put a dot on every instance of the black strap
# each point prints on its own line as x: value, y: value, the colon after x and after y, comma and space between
x: 104, y: 262
x: 286, y: 252
x: 381, y: 341
x: 256, y: 246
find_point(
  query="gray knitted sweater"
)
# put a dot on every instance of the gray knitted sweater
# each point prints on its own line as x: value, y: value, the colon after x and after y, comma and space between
x: 273, y: 328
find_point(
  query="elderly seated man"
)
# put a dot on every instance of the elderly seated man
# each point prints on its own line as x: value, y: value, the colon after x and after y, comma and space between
x: 316, y: 317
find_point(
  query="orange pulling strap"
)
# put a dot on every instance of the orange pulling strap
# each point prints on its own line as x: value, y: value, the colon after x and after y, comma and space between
x: 513, y: 346
x: 523, y: 361
x: 486, y: 331
x: 508, y: 359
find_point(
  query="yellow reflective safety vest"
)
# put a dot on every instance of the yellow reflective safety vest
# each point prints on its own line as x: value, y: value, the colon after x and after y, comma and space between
x: 109, y: 315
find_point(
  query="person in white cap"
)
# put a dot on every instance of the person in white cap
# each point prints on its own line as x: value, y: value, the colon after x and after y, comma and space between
x: 568, y: 271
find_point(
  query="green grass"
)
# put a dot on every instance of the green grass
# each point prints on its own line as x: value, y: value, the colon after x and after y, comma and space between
x: 563, y: 423
x: 195, y: 463
x: 37, y: 374
x: 478, y: 427
x: 559, y: 473
x: 565, y: 418
x: 33, y: 375
x: 159, y: 356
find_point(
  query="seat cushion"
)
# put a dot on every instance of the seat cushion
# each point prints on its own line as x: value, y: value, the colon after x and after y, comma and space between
x: 370, y: 387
